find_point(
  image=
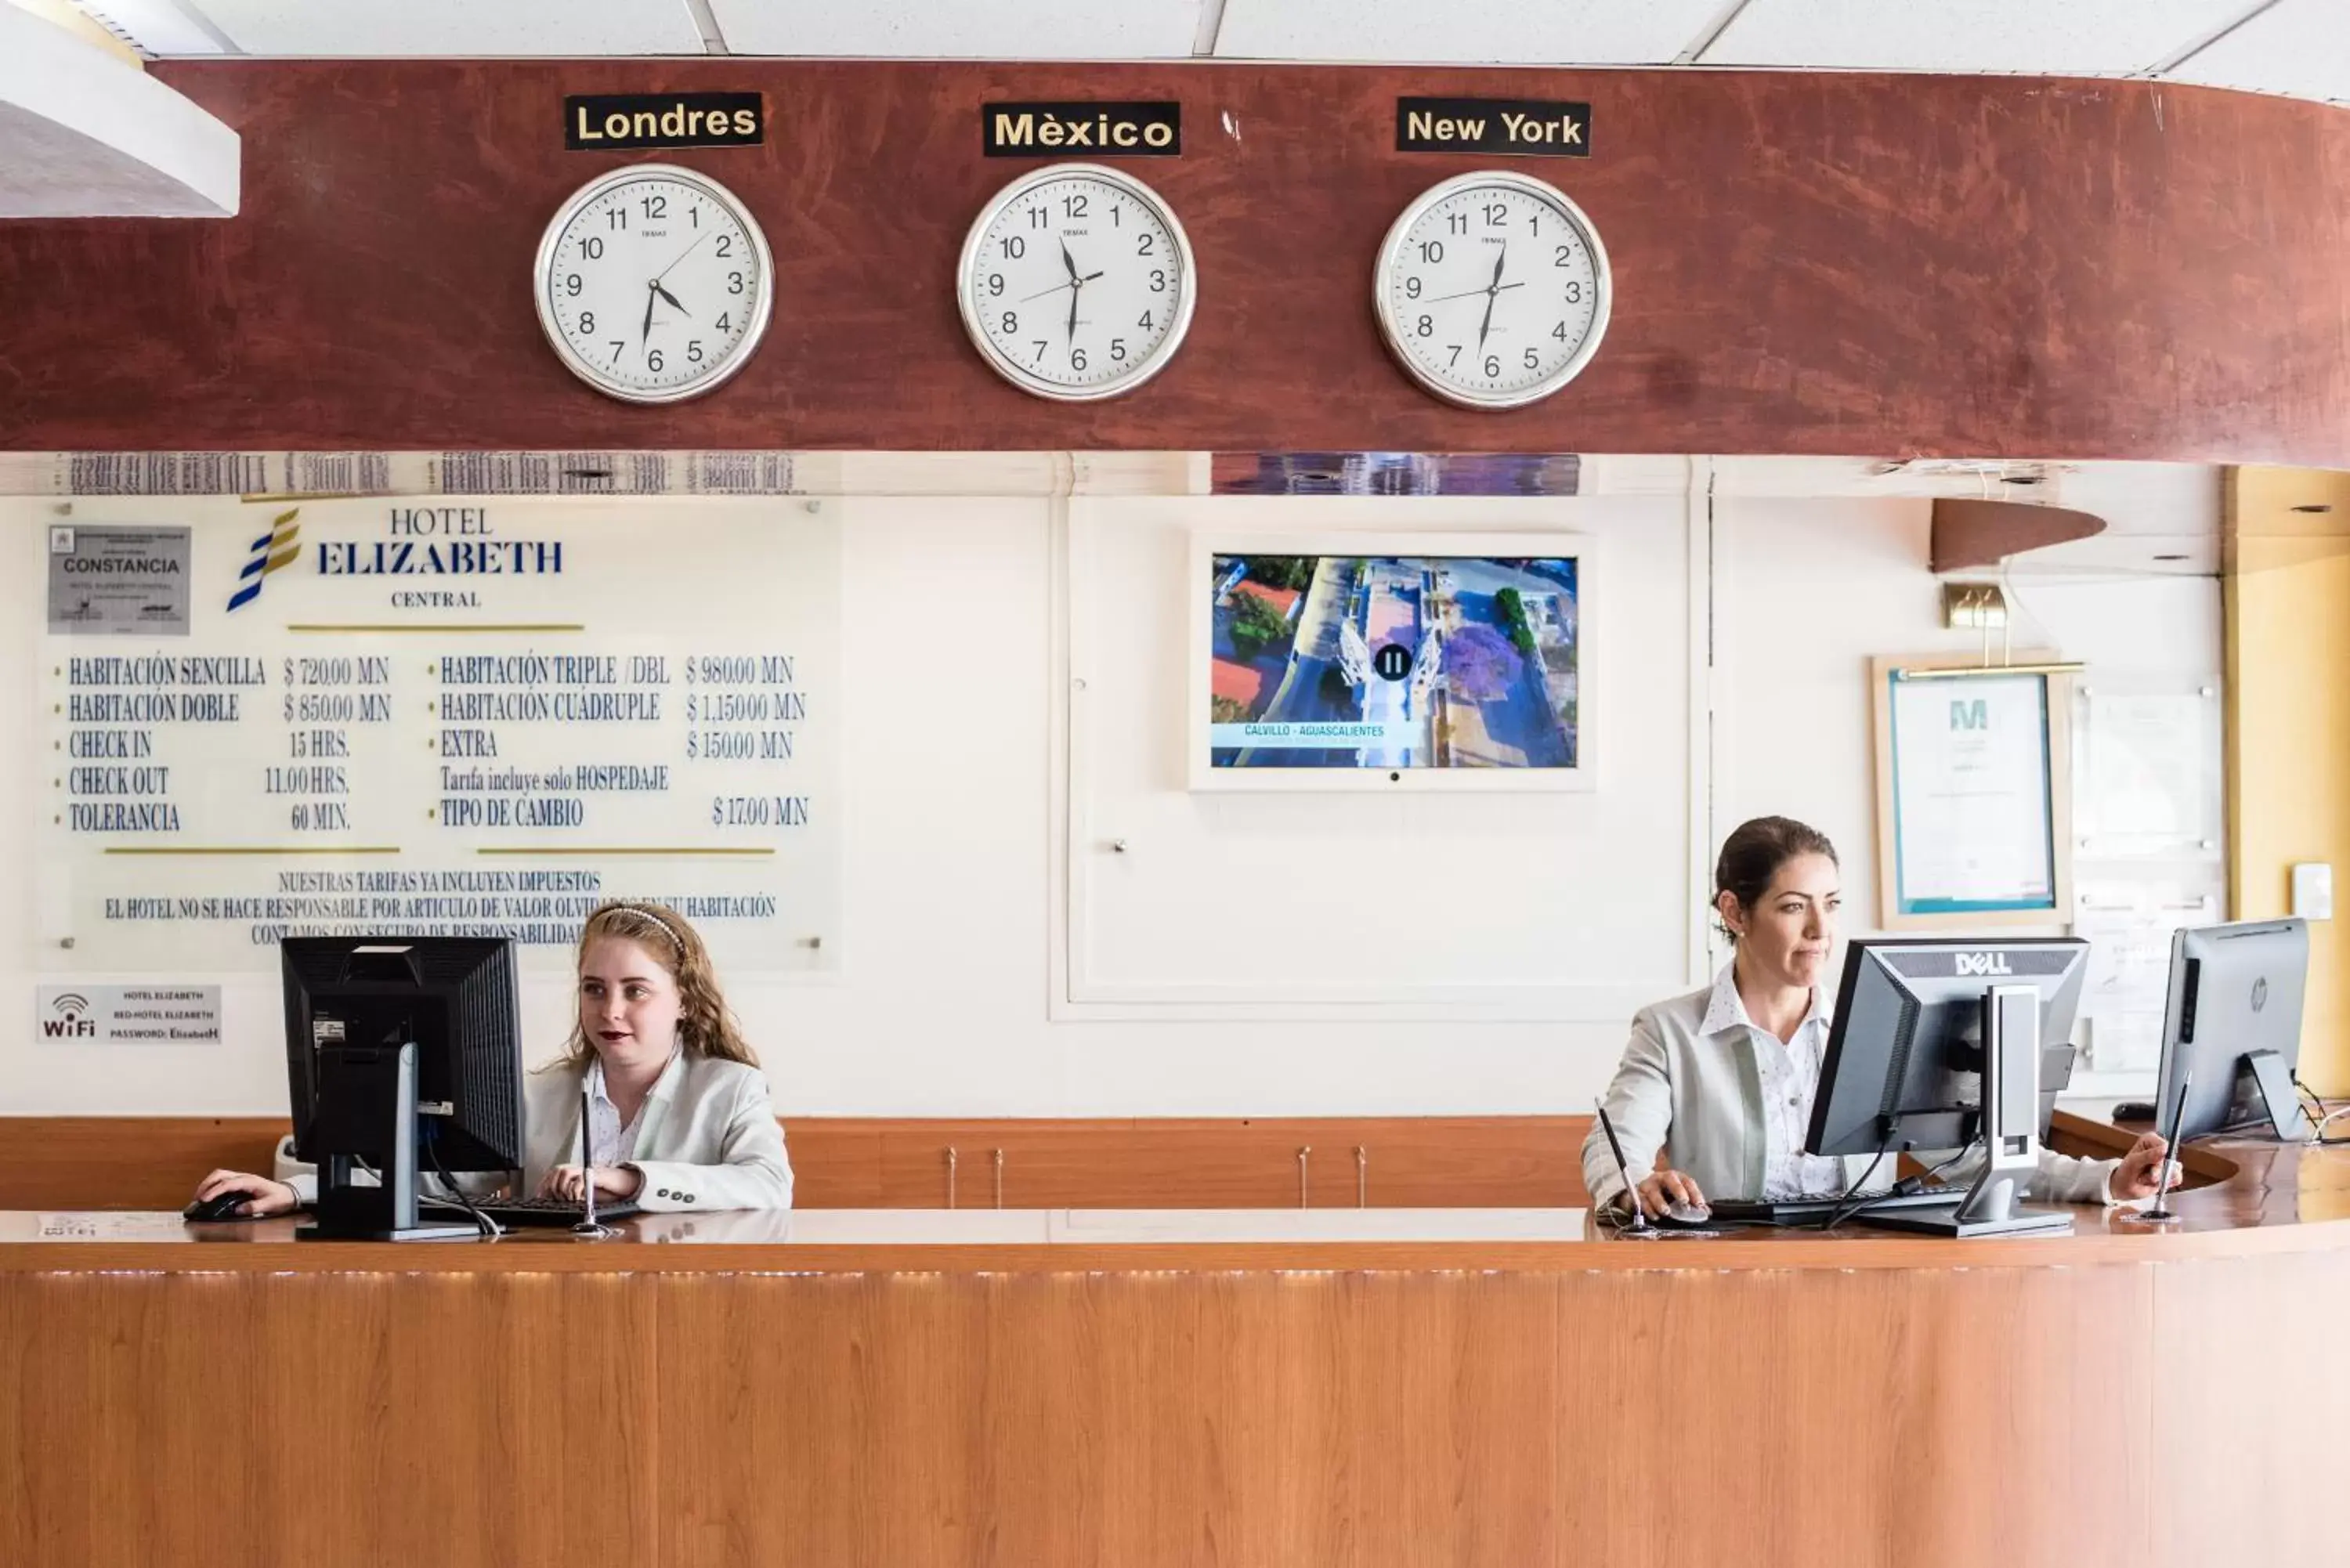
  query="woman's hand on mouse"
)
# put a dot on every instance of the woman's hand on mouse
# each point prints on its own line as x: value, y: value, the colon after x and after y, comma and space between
x: 264, y: 1197
x: 1661, y: 1190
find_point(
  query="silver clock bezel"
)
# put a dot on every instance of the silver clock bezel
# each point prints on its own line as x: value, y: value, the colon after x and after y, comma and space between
x: 585, y: 369
x: 1010, y: 369
x: 1603, y: 285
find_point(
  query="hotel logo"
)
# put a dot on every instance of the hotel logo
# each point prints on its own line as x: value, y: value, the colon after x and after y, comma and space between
x: 273, y: 550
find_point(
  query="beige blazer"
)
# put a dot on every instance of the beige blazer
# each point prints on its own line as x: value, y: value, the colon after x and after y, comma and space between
x: 1695, y: 1099
x: 706, y: 1138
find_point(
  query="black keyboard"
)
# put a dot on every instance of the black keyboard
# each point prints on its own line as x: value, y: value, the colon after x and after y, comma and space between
x: 1814, y: 1207
x: 533, y: 1211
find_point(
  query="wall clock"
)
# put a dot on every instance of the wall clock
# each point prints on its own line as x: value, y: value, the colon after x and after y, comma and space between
x: 654, y: 284
x: 1492, y: 290
x: 1076, y: 283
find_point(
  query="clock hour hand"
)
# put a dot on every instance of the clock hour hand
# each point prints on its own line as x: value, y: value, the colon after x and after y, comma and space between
x: 670, y: 298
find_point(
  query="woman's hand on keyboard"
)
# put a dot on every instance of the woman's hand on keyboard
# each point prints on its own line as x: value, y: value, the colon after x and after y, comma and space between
x: 611, y: 1181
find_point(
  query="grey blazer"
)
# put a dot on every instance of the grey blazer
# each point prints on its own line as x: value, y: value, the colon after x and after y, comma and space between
x: 1697, y: 1099
x: 706, y: 1138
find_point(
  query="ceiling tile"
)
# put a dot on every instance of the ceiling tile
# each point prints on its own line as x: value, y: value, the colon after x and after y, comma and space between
x: 2299, y: 46
x: 2049, y: 37
x: 1497, y: 32
x: 928, y: 29
x: 325, y: 29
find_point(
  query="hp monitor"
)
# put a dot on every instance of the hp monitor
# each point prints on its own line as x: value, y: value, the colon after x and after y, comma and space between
x: 2232, y: 1023
x: 402, y: 1056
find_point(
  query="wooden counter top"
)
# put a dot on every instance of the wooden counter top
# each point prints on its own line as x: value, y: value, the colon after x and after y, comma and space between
x: 2254, y: 1198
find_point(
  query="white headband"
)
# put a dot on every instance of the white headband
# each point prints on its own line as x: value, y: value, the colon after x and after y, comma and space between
x: 642, y: 913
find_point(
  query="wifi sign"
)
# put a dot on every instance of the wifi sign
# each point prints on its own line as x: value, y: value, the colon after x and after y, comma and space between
x: 66, y: 1016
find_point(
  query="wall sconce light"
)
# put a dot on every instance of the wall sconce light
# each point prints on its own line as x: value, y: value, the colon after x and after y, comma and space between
x: 1973, y: 606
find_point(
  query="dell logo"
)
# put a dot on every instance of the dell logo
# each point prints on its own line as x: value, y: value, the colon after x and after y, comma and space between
x: 1982, y: 964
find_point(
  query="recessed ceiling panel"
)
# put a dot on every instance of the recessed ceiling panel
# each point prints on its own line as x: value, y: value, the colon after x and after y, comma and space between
x: 2046, y: 37
x: 2300, y: 46
x: 475, y: 28
x: 1495, y: 32
x: 937, y: 29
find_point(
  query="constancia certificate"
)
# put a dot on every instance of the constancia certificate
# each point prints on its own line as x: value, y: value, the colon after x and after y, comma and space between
x: 1972, y: 794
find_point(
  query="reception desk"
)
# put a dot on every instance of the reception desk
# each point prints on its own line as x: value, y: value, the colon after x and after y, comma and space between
x: 1285, y: 1388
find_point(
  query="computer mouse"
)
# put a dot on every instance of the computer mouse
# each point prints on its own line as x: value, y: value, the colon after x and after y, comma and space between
x: 1686, y: 1214
x: 227, y: 1206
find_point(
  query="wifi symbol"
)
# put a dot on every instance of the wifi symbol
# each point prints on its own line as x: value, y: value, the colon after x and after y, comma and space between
x: 70, y: 1003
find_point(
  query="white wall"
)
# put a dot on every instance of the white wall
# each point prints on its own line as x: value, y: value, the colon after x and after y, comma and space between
x: 947, y: 1001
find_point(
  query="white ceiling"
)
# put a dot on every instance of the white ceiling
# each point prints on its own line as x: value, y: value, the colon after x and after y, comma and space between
x: 2296, y: 47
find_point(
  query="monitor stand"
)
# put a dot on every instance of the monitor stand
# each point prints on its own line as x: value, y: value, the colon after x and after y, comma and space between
x: 2264, y: 1084
x: 377, y: 1085
x: 2011, y: 1133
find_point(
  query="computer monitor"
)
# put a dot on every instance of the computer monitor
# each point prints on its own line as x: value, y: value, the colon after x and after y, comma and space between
x: 403, y: 1055
x: 2231, y: 1025
x: 1937, y: 1044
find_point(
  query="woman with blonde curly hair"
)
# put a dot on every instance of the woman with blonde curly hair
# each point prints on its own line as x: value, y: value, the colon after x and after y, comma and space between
x: 677, y: 1114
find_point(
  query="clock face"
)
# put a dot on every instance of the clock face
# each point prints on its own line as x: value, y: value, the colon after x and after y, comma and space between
x: 1492, y: 290
x: 1076, y: 283
x: 653, y: 283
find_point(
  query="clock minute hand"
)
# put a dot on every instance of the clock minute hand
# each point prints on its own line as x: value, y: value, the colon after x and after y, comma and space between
x: 644, y: 335
x: 1492, y: 292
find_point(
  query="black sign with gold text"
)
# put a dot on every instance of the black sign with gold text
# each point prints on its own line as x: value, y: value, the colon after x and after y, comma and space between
x: 1102, y: 129
x: 623, y: 120
x: 1526, y: 127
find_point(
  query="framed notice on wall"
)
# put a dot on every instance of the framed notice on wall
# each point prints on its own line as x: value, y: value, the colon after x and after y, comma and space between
x: 1973, y: 794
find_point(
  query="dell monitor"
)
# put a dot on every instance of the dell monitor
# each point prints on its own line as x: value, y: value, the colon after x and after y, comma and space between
x: 403, y: 1055
x: 2231, y: 1023
x: 1938, y: 1045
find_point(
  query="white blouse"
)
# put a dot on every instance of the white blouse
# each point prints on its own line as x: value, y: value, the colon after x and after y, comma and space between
x: 1790, y: 1072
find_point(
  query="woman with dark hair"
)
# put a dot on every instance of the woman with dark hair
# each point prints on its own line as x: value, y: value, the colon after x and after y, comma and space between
x: 677, y: 1114
x: 1714, y: 1094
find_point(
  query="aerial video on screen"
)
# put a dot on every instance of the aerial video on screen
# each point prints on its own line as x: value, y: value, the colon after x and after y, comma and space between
x: 1393, y: 663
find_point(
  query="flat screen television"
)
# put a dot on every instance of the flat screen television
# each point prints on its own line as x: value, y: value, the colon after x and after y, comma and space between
x: 1388, y: 661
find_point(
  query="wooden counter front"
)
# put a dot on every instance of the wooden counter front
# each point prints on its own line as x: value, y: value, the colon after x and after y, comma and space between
x: 1124, y: 1388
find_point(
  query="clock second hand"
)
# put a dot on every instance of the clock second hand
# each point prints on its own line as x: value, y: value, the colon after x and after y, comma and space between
x: 1088, y: 278
x: 681, y: 256
x: 1468, y: 293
